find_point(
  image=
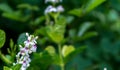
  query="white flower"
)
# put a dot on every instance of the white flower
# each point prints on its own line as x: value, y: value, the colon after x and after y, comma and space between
x: 29, y: 47
x: 50, y: 9
x: 60, y: 8
x: 53, y: 1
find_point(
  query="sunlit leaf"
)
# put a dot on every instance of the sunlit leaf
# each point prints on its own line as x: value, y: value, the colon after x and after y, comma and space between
x: 6, y: 68
x: 66, y: 50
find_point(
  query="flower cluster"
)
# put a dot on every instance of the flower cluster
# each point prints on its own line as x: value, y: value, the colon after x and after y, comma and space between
x: 23, y: 56
x: 53, y: 1
x: 51, y: 8
x: 54, y: 9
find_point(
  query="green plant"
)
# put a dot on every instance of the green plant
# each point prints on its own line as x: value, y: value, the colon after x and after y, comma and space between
x: 60, y: 35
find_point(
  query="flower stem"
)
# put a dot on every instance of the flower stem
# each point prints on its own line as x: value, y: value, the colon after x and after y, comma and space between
x: 61, y: 58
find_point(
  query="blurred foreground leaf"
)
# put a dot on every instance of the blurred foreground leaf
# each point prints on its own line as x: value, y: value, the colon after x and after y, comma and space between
x: 28, y: 6
x: 2, y: 38
x: 5, y: 7
x: 16, y: 15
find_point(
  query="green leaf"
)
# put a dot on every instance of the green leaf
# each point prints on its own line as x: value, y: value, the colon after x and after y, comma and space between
x: 56, y: 32
x: 21, y: 38
x: 77, y: 12
x: 66, y: 50
x: 2, y: 38
x: 84, y: 27
x: 92, y: 4
x: 5, y: 8
x: 6, y: 68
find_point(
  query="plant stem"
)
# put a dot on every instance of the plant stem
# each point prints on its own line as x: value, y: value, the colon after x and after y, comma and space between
x: 61, y: 58
x: 55, y: 19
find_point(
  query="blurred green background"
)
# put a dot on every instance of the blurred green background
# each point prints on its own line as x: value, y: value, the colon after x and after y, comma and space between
x: 98, y: 29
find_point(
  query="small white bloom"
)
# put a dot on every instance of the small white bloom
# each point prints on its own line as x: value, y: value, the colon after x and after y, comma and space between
x: 14, y: 64
x: 60, y: 8
x: 34, y: 48
x: 27, y: 34
x: 105, y: 68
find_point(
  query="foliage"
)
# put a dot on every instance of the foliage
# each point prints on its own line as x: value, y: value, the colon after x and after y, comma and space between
x: 88, y: 33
